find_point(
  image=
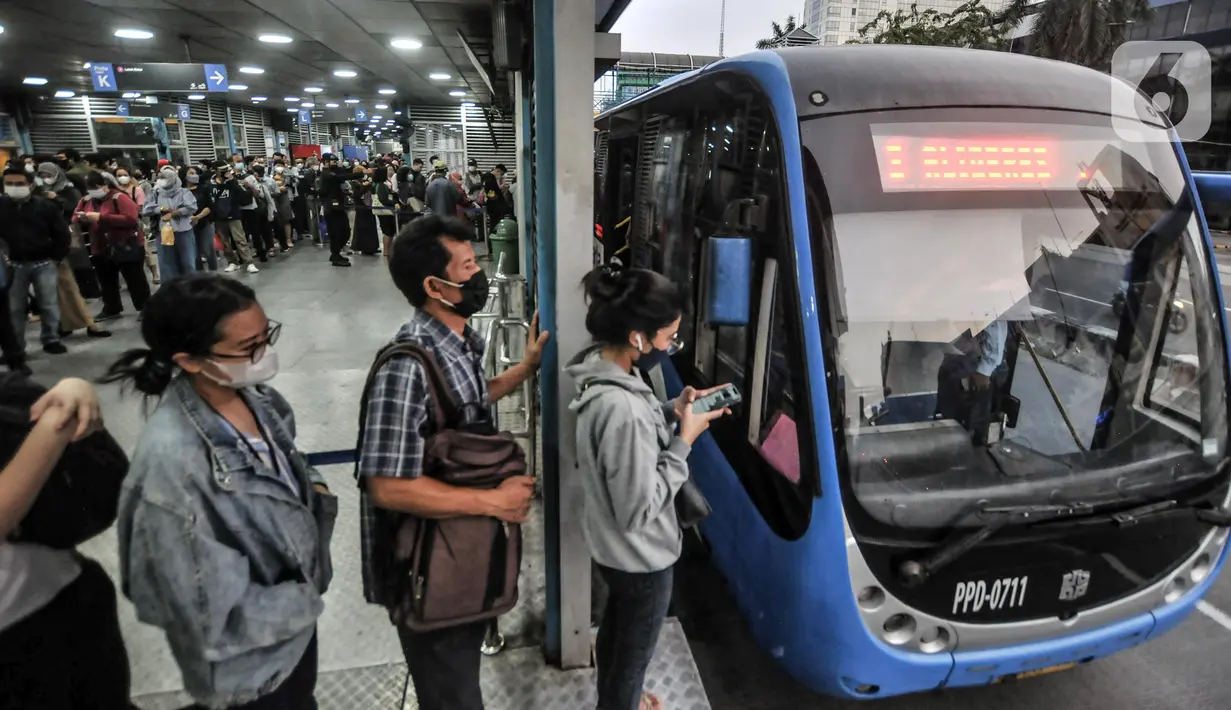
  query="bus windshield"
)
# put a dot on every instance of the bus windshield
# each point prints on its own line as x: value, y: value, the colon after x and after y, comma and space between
x: 1021, y: 310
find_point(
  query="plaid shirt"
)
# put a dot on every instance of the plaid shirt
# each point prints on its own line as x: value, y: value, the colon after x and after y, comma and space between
x: 397, y: 420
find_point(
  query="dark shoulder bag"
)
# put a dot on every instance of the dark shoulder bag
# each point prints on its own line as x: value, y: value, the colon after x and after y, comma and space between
x: 82, y: 494
x: 435, y: 574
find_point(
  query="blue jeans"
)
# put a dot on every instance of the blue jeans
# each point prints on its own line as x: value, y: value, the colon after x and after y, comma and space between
x: 179, y: 258
x: 636, y: 607
x: 205, y: 245
x: 43, y: 275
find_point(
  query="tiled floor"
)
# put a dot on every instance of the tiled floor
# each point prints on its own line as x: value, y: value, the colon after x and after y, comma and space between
x: 334, y: 321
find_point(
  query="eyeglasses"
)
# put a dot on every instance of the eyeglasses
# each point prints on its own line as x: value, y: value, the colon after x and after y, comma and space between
x: 258, y: 349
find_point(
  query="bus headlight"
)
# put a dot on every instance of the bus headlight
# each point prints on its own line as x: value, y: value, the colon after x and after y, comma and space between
x: 898, y: 629
x: 1175, y: 589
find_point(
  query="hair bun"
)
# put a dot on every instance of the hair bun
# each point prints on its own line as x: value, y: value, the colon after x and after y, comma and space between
x: 604, y: 284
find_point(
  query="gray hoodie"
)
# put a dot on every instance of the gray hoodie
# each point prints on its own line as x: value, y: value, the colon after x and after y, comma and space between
x: 631, y: 466
x: 173, y: 196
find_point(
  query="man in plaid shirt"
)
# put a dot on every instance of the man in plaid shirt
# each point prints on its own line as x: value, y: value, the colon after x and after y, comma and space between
x: 434, y: 266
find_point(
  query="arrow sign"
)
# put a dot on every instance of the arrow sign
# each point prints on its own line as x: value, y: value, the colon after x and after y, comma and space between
x: 183, y: 112
x: 305, y: 117
x: 361, y: 114
x: 216, y: 77
x: 103, y: 76
x: 121, y: 108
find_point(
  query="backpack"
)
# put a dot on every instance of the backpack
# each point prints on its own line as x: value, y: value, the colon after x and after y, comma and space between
x: 434, y: 574
x: 81, y: 497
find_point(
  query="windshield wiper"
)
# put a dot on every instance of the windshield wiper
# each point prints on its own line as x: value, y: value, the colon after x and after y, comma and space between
x: 913, y: 573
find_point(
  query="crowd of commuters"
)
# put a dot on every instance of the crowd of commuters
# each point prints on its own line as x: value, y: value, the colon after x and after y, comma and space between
x: 224, y: 528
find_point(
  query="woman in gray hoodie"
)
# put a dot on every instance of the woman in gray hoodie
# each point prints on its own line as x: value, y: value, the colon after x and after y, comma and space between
x: 174, y: 205
x: 633, y: 460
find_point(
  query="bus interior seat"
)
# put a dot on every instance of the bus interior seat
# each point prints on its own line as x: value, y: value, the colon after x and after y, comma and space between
x: 780, y: 447
x: 904, y: 451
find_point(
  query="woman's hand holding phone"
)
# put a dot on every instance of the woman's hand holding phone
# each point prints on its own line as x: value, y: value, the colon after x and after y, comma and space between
x: 694, y: 424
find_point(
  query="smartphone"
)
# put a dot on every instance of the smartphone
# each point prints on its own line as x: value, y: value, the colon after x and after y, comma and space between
x: 722, y: 398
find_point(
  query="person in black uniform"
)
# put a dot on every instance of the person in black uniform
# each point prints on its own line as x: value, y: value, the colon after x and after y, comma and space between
x: 333, y: 204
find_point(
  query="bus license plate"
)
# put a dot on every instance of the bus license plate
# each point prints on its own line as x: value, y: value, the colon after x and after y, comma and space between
x: 1036, y: 674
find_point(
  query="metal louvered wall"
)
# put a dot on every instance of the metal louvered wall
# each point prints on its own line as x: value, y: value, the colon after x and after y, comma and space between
x: 490, y: 138
x: 255, y: 138
x: 59, y: 124
x: 200, y: 140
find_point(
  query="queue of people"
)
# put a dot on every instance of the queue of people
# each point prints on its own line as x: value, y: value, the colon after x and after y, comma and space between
x: 224, y: 528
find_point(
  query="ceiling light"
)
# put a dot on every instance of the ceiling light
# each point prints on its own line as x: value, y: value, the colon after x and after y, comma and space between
x: 132, y: 95
x: 352, y: 101
x: 133, y: 34
x: 406, y: 43
x: 34, y: 80
x: 63, y: 94
x: 313, y: 89
x: 275, y: 39
x: 331, y: 105
x: 238, y: 87
x: 458, y: 93
x: 397, y: 113
x: 377, y: 118
x: 291, y: 99
x: 150, y: 99
x: 258, y: 99
x: 308, y: 104
x: 387, y: 92
x: 468, y: 103
x: 345, y: 73
x: 292, y: 110
x: 251, y: 70
x: 87, y: 65
x: 195, y: 97
x: 382, y: 107
x: 439, y: 76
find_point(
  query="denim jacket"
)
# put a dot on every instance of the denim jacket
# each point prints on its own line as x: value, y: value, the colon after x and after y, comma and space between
x: 218, y: 551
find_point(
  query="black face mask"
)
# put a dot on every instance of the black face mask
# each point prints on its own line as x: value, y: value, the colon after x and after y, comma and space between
x: 474, y: 295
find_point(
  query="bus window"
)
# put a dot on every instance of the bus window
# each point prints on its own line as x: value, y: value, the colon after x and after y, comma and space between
x: 1173, y: 387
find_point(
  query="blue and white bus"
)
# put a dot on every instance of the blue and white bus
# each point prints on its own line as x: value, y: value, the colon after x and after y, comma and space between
x: 954, y: 463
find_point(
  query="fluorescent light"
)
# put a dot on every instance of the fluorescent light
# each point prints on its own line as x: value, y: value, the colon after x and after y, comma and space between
x: 64, y: 94
x: 150, y: 99
x: 256, y: 99
x: 87, y: 65
x: 439, y: 76
x: 458, y: 93
x: 377, y: 118
x: 387, y: 92
x: 251, y: 70
x: 313, y: 89
x: 291, y: 99
x: 397, y: 113
x: 275, y: 39
x: 292, y: 110
x: 34, y: 81
x: 468, y: 103
x: 132, y: 95
x: 308, y: 104
x: 382, y: 107
x: 331, y: 105
x: 352, y: 101
x: 133, y: 34
x: 238, y: 87
x: 406, y: 43
x: 195, y: 97
x: 345, y: 73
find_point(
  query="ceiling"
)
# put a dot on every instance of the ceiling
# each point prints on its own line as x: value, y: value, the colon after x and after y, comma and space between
x: 54, y: 38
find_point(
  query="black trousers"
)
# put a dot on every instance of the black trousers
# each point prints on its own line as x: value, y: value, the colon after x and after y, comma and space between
x: 297, y: 692
x: 637, y: 604
x: 69, y: 655
x: 14, y: 354
x: 337, y: 224
x: 256, y: 226
x: 444, y: 665
x: 109, y: 273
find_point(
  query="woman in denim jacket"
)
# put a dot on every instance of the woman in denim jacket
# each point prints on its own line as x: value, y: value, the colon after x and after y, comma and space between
x: 224, y: 529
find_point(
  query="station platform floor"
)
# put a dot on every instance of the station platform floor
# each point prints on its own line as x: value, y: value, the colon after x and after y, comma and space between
x: 334, y: 321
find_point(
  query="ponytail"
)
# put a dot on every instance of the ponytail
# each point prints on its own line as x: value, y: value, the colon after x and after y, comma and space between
x: 143, y: 370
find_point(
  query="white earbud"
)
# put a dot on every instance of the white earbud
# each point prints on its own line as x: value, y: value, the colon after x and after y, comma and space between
x: 640, y: 346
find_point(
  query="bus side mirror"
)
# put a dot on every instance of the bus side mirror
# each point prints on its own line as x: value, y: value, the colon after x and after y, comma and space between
x: 728, y: 276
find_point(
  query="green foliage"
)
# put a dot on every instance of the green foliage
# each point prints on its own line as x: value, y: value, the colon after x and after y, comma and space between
x: 1085, y: 32
x: 972, y: 25
x: 779, y: 34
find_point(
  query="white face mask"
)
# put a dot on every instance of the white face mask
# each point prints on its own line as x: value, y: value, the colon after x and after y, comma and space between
x: 29, y: 167
x: 165, y: 183
x: 17, y: 192
x: 40, y: 180
x: 246, y: 374
x: 123, y: 179
x: 96, y: 194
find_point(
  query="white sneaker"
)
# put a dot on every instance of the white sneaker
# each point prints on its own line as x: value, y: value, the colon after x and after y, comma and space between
x: 231, y: 268
x: 252, y: 269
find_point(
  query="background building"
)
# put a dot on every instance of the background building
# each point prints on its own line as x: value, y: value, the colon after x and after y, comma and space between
x: 838, y: 21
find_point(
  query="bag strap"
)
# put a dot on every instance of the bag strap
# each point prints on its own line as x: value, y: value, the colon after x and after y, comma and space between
x: 444, y: 407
